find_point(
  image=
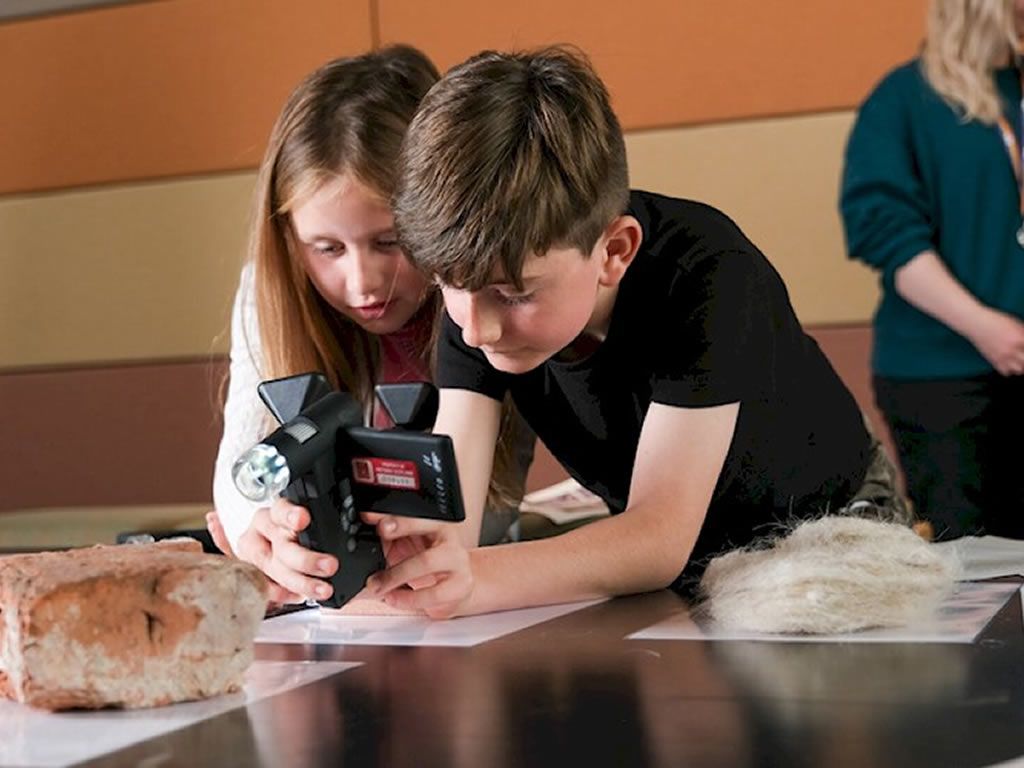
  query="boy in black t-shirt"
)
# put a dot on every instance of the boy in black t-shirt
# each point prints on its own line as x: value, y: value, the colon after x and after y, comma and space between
x: 648, y: 343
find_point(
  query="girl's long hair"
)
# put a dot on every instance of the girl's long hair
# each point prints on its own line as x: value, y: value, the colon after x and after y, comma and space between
x: 966, y: 41
x: 346, y: 118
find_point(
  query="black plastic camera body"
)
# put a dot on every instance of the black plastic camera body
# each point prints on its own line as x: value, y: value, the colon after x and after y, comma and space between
x: 321, y: 458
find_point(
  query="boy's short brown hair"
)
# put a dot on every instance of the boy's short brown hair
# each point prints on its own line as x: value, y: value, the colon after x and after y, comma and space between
x: 509, y: 155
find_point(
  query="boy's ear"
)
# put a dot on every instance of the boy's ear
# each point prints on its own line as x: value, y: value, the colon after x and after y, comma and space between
x: 621, y: 241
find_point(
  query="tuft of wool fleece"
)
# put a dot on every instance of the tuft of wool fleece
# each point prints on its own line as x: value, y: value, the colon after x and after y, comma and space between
x: 833, y: 574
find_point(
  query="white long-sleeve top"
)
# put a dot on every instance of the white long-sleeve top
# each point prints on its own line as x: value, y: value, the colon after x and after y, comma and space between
x: 245, y: 416
x: 247, y: 421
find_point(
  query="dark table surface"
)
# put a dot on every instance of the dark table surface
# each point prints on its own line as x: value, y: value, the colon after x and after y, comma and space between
x: 574, y: 691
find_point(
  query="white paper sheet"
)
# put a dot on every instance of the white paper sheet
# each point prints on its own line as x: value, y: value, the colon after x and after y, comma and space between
x: 325, y: 627
x: 986, y: 557
x: 1022, y: 601
x: 1017, y: 762
x: 960, y: 619
x: 32, y: 737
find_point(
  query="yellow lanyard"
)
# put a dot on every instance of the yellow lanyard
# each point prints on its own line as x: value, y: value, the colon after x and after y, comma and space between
x: 1013, y: 147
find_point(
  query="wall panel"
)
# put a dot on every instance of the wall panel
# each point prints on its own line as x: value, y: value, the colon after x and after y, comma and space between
x: 779, y: 180
x: 158, y: 89
x: 139, y: 272
x: 140, y: 434
x: 147, y: 271
x: 673, y: 62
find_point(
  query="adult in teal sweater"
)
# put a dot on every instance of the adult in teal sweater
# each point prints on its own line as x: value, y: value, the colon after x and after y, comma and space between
x: 931, y: 198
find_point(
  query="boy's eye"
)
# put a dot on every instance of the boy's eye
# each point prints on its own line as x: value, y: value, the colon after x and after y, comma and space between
x: 387, y: 243
x: 515, y: 299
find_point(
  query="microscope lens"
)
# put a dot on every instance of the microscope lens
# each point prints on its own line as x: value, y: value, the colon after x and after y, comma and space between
x: 261, y: 473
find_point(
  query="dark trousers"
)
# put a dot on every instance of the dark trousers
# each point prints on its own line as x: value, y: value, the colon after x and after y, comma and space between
x: 959, y: 443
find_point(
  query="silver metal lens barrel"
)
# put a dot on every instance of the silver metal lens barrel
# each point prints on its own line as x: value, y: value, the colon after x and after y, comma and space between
x: 261, y: 473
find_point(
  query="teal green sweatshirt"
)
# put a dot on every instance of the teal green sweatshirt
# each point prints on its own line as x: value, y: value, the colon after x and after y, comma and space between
x: 918, y: 177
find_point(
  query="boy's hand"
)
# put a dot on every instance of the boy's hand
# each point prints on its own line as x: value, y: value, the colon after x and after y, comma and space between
x: 428, y: 567
x: 271, y: 544
x: 400, y: 550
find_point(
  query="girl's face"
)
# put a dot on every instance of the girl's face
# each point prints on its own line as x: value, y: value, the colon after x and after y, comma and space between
x: 345, y: 236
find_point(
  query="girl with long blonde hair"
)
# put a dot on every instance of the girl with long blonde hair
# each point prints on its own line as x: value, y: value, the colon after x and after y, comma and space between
x: 967, y: 41
x: 931, y: 197
x: 326, y: 286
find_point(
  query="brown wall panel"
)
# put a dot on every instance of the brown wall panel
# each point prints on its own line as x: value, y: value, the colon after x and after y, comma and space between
x: 673, y: 62
x: 148, y: 434
x: 144, y: 434
x: 158, y: 89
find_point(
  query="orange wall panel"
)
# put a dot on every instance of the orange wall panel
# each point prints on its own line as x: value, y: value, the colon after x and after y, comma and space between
x: 677, y: 62
x: 158, y: 89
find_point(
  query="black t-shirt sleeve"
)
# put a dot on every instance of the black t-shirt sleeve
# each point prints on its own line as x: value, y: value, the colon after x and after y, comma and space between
x: 461, y: 367
x: 718, y: 332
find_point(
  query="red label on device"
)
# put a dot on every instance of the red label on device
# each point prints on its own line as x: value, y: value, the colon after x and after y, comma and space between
x: 387, y: 473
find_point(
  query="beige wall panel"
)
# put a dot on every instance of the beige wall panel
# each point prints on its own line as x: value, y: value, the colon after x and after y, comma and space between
x: 779, y: 180
x: 139, y: 272
x: 146, y: 272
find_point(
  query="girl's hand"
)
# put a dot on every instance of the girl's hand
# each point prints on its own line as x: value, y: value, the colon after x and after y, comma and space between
x: 216, y: 531
x: 428, y: 569
x: 271, y: 544
x: 1000, y: 339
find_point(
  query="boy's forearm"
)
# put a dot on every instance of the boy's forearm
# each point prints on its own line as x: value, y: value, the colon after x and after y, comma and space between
x: 472, y: 421
x: 624, y: 554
